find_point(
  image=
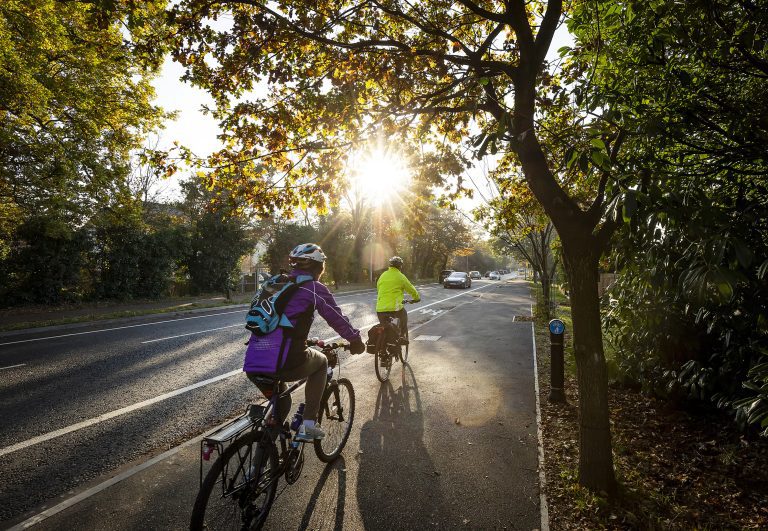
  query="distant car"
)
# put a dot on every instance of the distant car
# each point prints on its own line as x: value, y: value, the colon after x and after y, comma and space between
x: 494, y: 275
x: 475, y: 275
x: 458, y: 279
x: 487, y: 274
x: 444, y: 273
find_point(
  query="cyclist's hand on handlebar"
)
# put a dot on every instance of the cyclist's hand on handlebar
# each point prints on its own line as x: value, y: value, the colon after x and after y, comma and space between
x: 357, y: 346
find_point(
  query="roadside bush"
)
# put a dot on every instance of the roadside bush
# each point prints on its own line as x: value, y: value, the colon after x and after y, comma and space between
x: 46, y: 262
x: 688, y: 317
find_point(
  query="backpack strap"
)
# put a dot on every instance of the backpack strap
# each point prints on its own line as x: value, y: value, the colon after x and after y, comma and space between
x: 286, y: 295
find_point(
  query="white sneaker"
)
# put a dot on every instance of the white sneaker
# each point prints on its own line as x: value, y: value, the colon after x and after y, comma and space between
x: 306, y: 434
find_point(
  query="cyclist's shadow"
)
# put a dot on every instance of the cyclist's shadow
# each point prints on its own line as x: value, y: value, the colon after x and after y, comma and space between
x: 335, y: 514
x: 397, y: 484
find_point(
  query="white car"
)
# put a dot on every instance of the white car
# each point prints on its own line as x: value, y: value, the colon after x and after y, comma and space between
x: 494, y: 275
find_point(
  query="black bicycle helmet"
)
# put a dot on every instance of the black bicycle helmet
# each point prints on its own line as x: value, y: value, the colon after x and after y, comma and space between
x: 396, y: 261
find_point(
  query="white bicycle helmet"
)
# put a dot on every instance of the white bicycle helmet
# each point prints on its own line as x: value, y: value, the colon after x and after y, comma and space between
x: 307, y: 251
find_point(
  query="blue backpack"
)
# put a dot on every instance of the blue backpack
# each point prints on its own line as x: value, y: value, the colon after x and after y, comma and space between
x: 269, y: 303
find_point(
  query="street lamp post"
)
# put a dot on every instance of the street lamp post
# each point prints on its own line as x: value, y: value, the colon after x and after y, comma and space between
x: 373, y: 242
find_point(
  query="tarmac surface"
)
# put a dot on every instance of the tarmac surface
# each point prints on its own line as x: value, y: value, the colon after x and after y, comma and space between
x: 449, y: 442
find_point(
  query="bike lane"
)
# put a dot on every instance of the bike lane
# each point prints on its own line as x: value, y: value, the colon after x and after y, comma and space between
x: 450, y: 441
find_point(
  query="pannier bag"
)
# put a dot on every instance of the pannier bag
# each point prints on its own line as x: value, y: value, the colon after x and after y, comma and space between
x: 389, y: 331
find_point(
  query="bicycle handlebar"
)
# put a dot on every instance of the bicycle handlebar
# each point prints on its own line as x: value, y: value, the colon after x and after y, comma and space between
x: 326, y: 347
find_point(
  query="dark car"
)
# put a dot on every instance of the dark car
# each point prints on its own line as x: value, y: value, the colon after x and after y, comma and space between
x: 444, y: 273
x: 457, y: 279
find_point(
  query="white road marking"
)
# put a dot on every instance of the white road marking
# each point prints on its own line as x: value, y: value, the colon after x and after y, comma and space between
x: 542, y: 473
x: 116, y: 328
x: 128, y: 473
x: 112, y: 414
x: 191, y: 333
x: 12, y: 366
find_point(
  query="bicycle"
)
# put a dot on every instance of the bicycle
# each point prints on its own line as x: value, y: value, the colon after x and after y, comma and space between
x: 384, y: 351
x: 239, y: 489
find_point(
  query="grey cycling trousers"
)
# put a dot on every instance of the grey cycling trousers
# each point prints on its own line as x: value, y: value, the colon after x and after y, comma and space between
x: 314, y: 369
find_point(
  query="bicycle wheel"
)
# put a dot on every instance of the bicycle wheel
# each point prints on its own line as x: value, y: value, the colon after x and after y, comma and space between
x: 404, y: 349
x: 238, y: 491
x: 383, y: 364
x: 337, y: 411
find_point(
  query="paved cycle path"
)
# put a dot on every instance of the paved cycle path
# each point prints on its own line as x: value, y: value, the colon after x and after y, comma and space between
x: 449, y: 442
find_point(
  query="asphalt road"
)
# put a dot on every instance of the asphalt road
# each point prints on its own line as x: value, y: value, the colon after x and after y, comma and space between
x: 91, y: 402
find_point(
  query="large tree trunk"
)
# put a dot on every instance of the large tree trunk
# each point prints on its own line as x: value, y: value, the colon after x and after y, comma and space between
x: 581, y: 253
x: 595, y: 456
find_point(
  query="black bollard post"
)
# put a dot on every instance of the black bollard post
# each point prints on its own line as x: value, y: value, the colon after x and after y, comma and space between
x: 557, y: 369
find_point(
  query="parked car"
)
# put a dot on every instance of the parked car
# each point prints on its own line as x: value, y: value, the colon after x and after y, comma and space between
x: 458, y: 279
x: 494, y: 275
x: 475, y: 275
x: 487, y: 274
x: 444, y: 273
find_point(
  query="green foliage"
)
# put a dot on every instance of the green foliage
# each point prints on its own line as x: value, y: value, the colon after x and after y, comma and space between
x: 46, y: 264
x: 285, y: 239
x: 685, y: 82
x: 220, y: 236
x: 75, y: 97
x: 690, y: 288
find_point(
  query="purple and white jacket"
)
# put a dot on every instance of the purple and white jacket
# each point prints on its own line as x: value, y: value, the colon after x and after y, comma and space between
x: 285, y: 347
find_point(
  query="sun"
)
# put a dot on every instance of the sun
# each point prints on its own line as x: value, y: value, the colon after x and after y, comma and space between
x: 381, y: 176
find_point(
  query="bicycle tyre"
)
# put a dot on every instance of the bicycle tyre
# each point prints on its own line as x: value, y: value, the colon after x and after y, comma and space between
x: 404, y: 349
x: 337, y: 412
x: 232, y: 506
x: 382, y: 373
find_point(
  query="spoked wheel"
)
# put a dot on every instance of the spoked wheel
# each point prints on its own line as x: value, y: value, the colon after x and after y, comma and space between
x: 337, y: 411
x: 404, y: 348
x: 382, y: 362
x: 239, y: 489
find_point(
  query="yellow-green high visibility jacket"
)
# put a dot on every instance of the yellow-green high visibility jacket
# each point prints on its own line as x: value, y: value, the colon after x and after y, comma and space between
x: 391, y: 285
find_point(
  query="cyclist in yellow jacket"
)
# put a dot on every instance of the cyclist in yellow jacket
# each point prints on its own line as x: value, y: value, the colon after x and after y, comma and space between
x: 389, y: 300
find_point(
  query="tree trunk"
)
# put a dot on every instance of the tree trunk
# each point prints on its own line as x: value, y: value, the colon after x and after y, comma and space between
x: 595, y: 456
x: 546, y: 291
x: 581, y: 252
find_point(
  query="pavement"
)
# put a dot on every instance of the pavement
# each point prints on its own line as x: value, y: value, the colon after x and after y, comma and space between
x: 449, y: 442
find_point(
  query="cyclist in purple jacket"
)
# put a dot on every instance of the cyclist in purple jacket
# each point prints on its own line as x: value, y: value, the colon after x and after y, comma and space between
x: 284, y: 352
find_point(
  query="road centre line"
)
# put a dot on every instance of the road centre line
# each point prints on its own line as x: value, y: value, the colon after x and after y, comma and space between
x: 36, y: 519
x: 117, y: 328
x: 112, y: 414
x: 12, y: 366
x: 191, y: 333
x: 153, y: 323
x: 341, y: 305
x: 204, y: 331
x: 139, y: 405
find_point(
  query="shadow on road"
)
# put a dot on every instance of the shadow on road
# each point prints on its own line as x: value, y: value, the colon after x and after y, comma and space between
x: 397, y: 481
x: 339, y: 466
